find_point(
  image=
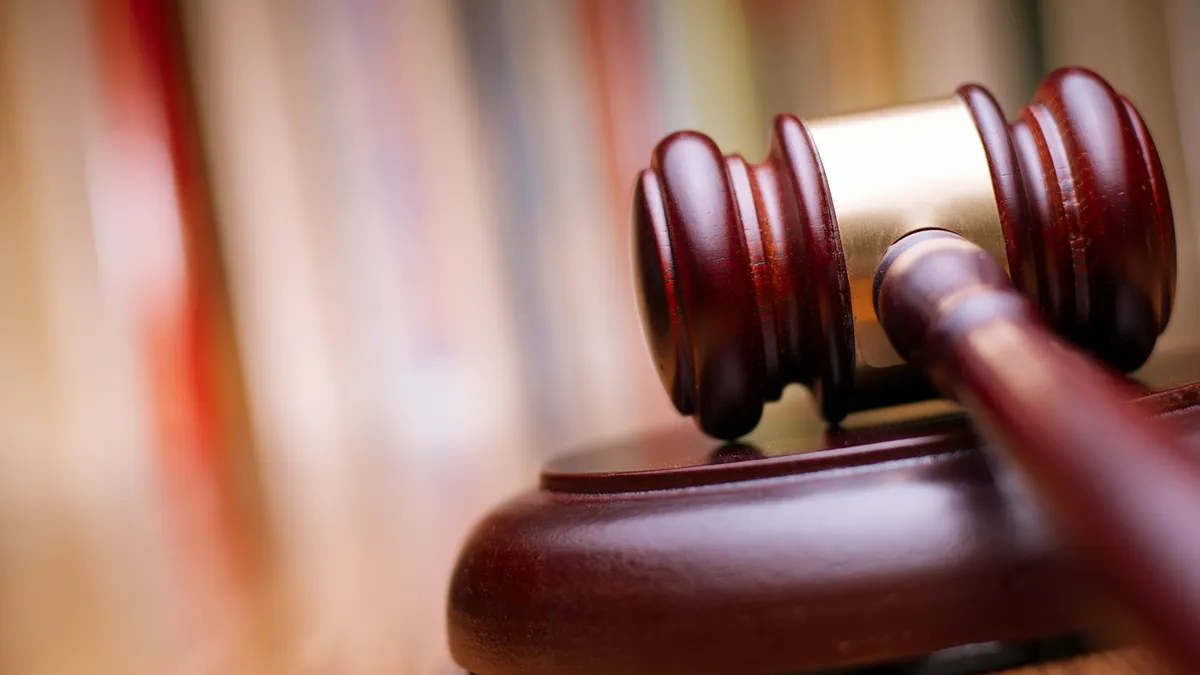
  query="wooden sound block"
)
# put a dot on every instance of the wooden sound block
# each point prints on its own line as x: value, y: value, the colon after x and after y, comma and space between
x: 837, y: 549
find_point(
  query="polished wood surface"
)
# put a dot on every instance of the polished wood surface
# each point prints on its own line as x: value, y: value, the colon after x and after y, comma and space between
x: 678, y: 554
x: 752, y: 326
x: 1123, y: 488
x: 1087, y: 218
x: 742, y: 277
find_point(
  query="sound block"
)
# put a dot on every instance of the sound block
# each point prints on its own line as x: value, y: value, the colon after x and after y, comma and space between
x: 807, y: 551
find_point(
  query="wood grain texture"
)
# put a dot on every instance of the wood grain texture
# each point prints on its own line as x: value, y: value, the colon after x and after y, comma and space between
x: 1122, y: 488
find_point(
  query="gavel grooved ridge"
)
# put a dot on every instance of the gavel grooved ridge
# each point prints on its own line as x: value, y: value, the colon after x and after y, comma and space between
x: 754, y: 276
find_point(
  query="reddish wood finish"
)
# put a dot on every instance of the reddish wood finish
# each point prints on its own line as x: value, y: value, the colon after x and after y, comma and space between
x: 645, y: 557
x: 1086, y: 214
x: 1124, y: 489
x: 742, y: 281
x: 751, y: 256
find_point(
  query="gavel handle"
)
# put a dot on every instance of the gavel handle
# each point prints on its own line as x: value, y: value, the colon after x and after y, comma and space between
x: 1123, y: 491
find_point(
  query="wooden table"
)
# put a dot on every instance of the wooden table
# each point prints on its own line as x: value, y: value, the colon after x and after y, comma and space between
x: 1119, y: 662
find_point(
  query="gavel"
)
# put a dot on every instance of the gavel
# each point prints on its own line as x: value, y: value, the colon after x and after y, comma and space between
x: 1016, y: 266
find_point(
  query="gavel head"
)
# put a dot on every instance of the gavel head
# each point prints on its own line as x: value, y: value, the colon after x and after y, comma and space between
x: 753, y: 276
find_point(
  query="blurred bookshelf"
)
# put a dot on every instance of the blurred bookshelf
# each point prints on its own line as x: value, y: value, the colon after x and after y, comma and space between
x: 293, y: 290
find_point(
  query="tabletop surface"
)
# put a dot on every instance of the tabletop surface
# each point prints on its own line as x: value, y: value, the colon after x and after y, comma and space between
x: 342, y: 566
x: 1127, y: 661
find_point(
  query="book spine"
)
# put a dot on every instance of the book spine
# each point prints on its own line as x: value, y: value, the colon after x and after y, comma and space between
x: 154, y: 227
x: 706, y: 73
x: 627, y: 101
x: 943, y: 45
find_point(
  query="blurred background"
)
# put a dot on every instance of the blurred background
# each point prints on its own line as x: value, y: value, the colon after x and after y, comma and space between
x: 292, y: 291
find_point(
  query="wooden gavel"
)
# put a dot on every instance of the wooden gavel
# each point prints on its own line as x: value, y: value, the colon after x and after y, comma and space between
x: 999, y: 259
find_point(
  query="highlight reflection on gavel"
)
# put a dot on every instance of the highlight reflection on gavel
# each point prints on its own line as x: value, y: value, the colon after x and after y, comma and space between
x: 998, y: 259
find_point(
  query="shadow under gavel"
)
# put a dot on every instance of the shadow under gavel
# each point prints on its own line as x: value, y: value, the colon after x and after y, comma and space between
x: 1012, y: 273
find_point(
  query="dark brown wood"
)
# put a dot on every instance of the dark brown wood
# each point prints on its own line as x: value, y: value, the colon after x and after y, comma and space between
x: 1123, y: 488
x: 1085, y: 210
x: 742, y: 281
x: 644, y: 557
x: 751, y: 256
